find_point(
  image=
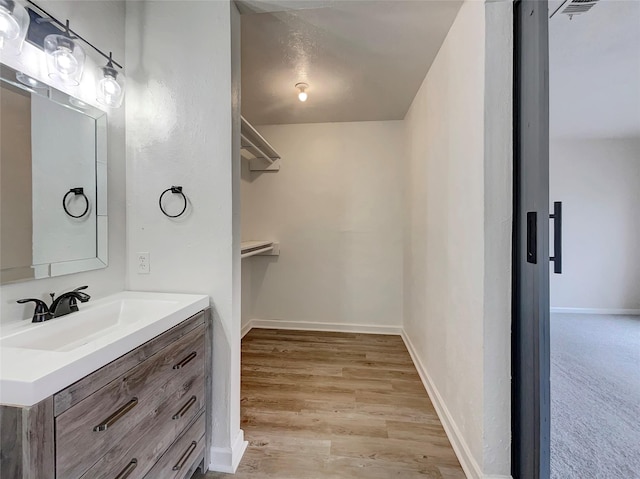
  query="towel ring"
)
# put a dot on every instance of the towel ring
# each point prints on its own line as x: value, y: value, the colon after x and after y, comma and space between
x: 178, y: 191
x: 76, y: 192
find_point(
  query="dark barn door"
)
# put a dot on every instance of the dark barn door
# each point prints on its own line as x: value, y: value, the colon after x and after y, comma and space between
x: 530, y: 332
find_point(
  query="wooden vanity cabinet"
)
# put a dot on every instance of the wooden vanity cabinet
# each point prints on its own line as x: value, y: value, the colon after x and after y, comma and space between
x: 141, y: 416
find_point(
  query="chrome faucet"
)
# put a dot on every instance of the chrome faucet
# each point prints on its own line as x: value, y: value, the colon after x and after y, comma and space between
x: 64, y: 304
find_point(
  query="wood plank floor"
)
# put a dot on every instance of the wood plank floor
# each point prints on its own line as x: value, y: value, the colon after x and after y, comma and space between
x: 337, y: 405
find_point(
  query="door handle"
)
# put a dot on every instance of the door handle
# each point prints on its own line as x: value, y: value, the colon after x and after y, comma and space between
x: 532, y: 237
x: 556, y: 216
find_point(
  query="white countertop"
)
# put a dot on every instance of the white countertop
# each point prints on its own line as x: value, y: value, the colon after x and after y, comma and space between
x: 40, y: 359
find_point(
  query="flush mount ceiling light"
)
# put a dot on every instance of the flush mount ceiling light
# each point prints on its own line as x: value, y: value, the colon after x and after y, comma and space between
x: 14, y: 23
x: 65, y: 57
x: 302, y: 94
x: 111, y: 86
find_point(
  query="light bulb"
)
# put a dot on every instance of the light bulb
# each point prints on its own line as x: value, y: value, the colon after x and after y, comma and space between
x: 302, y: 95
x: 111, y: 87
x: 64, y: 61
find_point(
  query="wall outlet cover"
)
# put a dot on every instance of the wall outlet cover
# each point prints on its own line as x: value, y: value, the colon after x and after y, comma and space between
x: 144, y: 263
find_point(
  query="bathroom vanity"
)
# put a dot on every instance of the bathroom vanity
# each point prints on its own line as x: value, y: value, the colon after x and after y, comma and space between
x: 141, y: 412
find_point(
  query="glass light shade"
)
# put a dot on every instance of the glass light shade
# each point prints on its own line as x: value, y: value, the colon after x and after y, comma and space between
x: 111, y: 87
x: 302, y: 96
x: 65, y: 59
x: 14, y: 23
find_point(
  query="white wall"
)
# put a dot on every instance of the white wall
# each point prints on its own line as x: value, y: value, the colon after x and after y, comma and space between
x: 458, y: 235
x: 181, y: 108
x: 598, y: 182
x: 103, y: 23
x: 335, y: 206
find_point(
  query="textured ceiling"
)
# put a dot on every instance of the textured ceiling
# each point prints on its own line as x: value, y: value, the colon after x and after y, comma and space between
x: 363, y: 60
x: 594, y: 70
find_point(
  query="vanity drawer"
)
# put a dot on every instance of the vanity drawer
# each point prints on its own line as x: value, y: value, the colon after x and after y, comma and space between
x: 139, y: 451
x: 92, y: 383
x: 112, y: 417
x: 177, y: 462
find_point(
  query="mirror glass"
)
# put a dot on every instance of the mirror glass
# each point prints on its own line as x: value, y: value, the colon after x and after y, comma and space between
x: 53, y: 181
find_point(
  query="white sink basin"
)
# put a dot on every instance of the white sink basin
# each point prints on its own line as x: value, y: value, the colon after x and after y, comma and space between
x: 77, y: 329
x: 40, y: 359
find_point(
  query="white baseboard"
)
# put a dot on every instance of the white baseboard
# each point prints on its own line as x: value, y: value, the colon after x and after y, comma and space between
x: 467, y: 461
x: 227, y: 459
x: 309, y: 326
x: 630, y: 312
x: 246, y: 328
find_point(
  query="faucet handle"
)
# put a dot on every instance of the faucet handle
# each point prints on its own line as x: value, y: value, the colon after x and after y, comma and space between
x: 41, y: 312
x: 80, y: 288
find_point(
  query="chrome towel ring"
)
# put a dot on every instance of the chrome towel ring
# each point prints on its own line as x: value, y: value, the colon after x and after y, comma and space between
x: 75, y: 192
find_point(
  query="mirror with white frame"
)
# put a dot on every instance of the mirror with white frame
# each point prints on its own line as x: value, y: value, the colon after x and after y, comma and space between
x: 53, y: 181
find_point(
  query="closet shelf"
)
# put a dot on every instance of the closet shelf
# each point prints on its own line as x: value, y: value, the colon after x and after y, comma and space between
x: 259, y: 148
x: 262, y: 248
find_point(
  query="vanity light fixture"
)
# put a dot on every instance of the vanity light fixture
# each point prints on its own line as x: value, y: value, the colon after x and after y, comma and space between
x: 14, y: 23
x: 111, y: 86
x: 65, y: 57
x: 302, y: 94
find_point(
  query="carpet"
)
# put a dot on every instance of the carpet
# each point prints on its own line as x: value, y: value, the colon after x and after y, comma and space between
x: 595, y: 396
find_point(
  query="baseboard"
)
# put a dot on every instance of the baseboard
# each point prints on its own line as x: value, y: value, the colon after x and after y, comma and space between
x: 246, y: 328
x: 309, y: 326
x: 227, y: 459
x: 630, y: 312
x: 469, y: 465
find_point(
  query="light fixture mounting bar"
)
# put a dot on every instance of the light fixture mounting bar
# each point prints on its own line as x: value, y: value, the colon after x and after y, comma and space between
x: 75, y: 34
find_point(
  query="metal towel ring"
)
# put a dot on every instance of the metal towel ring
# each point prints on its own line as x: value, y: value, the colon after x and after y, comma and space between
x: 76, y: 192
x: 176, y: 190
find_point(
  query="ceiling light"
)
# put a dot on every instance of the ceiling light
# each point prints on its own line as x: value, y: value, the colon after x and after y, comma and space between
x: 65, y: 57
x: 14, y: 23
x: 302, y: 95
x: 111, y: 87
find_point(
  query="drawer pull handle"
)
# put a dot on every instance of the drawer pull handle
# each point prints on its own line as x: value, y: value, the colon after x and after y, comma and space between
x: 185, y: 361
x: 183, y: 410
x: 116, y: 416
x: 183, y: 459
x: 126, y: 472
